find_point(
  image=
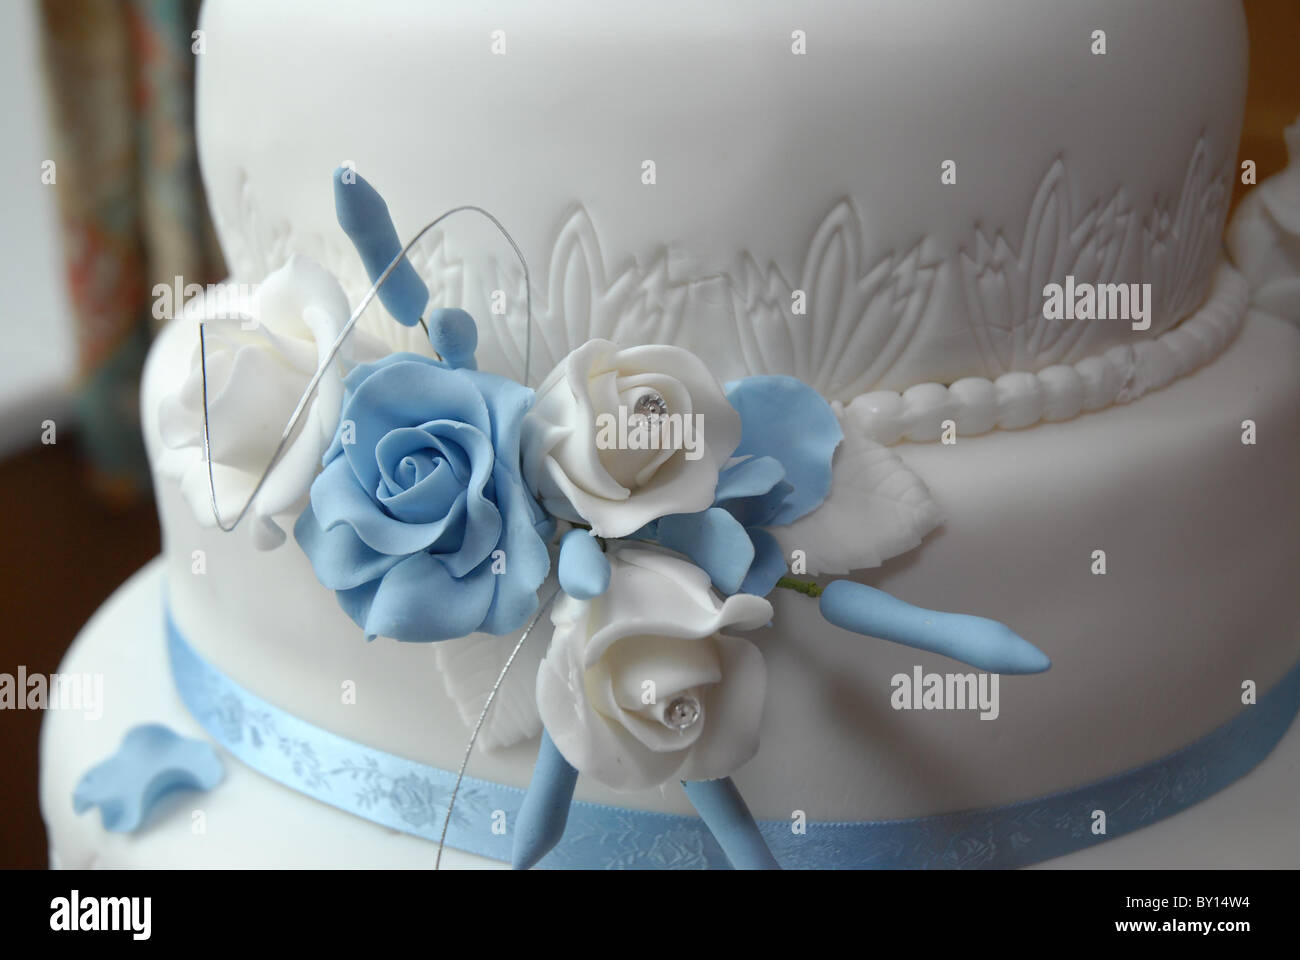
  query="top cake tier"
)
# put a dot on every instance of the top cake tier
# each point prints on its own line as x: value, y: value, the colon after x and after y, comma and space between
x: 864, y: 195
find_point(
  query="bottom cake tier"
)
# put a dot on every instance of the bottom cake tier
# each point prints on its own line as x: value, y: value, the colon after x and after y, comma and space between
x: 251, y: 821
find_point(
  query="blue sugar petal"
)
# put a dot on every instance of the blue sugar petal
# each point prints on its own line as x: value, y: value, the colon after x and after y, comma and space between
x: 543, y: 523
x: 759, y: 511
x: 425, y: 446
x: 768, y: 566
x: 715, y: 541
x: 583, y: 567
x: 649, y: 532
x: 984, y: 644
x: 405, y: 390
x: 783, y: 418
x: 364, y: 217
x: 338, y: 556
x: 506, y: 403
x: 724, y: 812
x: 545, y: 810
x: 152, y: 761
x: 353, y: 381
x: 528, y: 561
x: 432, y: 496
x: 337, y: 498
x: 752, y: 477
x: 357, y: 601
x: 483, y: 522
x: 418, y: 601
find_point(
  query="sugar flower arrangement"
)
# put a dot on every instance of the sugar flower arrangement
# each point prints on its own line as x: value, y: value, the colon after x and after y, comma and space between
x: 439, y: 501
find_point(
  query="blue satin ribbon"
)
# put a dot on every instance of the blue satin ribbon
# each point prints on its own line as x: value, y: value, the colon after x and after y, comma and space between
x: 411, y: 797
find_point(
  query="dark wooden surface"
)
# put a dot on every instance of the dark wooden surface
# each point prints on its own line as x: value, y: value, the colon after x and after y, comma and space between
x: 65, y: 551
x: 1273, y: 96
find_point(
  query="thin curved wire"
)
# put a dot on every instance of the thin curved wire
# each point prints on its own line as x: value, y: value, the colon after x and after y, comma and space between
x: 487, y: 705
x: 333, y: 352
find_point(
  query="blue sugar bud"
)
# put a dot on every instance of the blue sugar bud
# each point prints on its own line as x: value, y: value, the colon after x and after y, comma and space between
x: 453, y: 334
x: 583, y: 568
x: 364, y: 217
x: 984, y: 644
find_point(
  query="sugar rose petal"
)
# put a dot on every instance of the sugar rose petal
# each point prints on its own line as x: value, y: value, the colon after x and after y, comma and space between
x: 640, y: 685
x: 620, y: 437
x: 258, y: 368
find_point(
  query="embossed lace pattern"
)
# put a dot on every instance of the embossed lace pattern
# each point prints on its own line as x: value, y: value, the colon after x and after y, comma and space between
x: 863, y: 318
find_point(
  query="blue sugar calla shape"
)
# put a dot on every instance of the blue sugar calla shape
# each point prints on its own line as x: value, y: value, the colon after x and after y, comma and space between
x: 724, y: 812
x: 714, y: 540
x: 787, y: 420
x: 750, y: 479
x: 152, y: 761
x: 782, y: 471
x: 984, y: 644
x: 583, y: 568
x: 727, y: 540
x: 364, y: 217
x: 753, y: 490
x: 768, y: 566
x: 453, y: 334
x: 545, y: 809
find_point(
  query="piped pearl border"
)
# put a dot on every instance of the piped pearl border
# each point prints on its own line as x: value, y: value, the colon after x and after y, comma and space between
x: 1014, y: 400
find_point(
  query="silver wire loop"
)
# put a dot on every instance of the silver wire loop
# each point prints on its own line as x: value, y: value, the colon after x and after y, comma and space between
x: 301, y: 408
x: 333, y: 353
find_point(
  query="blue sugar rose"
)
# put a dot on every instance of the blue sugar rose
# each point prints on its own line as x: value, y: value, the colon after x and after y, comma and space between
x: 420, y: 521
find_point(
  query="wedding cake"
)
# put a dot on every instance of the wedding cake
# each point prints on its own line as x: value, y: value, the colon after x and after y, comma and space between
x: 978, y: 391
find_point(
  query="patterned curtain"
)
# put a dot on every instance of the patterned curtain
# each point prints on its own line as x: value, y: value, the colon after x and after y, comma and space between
x: 121, y: 80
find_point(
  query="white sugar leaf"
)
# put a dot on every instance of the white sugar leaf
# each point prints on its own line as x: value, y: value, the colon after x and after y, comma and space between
x: 877, y: 509
x: 469, y: 666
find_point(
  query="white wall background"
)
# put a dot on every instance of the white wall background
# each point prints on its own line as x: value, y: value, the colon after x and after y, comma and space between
x: 37, y: 349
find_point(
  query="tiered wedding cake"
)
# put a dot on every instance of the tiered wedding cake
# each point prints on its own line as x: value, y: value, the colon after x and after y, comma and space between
x: 988, y: 235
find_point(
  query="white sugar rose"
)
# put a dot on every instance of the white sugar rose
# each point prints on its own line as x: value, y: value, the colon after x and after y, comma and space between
x: 639, y: 686
x: 258, y: 368
x: 620, y: 437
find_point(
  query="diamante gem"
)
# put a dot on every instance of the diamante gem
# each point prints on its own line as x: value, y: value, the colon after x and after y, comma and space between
x: 682, y: 713
x: 651, y: 405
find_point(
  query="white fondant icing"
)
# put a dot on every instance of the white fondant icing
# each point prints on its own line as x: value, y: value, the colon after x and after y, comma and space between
x: 775, y: 172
